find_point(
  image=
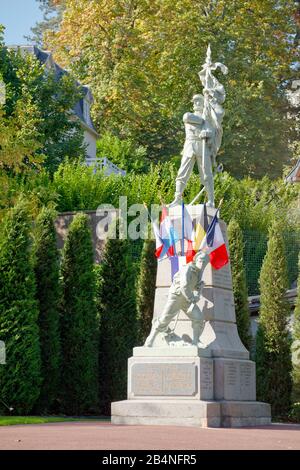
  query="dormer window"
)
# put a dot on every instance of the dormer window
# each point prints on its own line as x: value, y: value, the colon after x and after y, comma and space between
x: 86, y: 110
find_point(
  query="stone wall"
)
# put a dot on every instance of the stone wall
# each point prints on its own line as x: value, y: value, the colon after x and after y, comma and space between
x: 100, y: 226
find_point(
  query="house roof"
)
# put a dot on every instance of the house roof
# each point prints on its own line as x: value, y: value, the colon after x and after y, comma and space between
x: 45, y: 57
x: 294, y: 175
x: 254, y: 300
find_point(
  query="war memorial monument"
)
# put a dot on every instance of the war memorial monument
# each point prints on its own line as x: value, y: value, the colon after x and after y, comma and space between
x: 193, y: 369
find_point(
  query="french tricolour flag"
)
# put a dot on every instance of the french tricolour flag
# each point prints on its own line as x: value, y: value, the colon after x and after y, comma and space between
x: 188, y: 234
x: 159, y: 242
x: 165, y: 236
x: 213, y: 244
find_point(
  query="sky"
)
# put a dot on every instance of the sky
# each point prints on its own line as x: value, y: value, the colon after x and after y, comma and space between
x: 18, y: 16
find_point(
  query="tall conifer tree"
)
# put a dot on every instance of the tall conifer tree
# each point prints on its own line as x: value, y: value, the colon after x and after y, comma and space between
x: 236, y: 247
x: 79, y: 330
x: 273, y: 356
x: 48, y: 292
x: 20, y: 378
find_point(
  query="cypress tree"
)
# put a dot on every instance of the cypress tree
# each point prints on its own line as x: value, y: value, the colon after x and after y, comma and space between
x: 273, y: 358
x: 79, y: 325
x: 118, y: 320
x: 20, y: 378
x: 48, y: 292
x: 296, y: 345
x: 146, y: 289
x: 240, y: 292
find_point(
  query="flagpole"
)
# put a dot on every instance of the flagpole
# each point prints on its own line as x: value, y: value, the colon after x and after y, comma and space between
x: 219, y: 169
x: 219, y: 206
x: 152, y: 221
x: 182, y: 227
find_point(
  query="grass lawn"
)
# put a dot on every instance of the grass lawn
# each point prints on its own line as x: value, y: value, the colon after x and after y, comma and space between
x: 11, y: 420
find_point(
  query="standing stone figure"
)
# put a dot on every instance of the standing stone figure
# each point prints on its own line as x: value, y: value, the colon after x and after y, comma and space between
x: 203, y: 130
x: 186, y: 283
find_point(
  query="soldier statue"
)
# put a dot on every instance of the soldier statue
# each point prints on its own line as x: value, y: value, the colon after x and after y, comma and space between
x: 184, y: 294
x: 203, y: 129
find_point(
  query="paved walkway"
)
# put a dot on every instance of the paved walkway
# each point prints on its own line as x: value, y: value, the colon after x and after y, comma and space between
x: 105, y: 436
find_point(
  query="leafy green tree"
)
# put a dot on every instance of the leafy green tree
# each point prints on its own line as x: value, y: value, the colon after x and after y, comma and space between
x: 36, y: 121
x: 146, y: 289
x: 142, y: 58
x: 61, y: 134
x: 48, y: 295
x: 118, y: 320
x: 273, y: 355
x: 79, y: 332
x: 123, y: 153
x: 240, y: 293
x: 20, y: 378
x: 19, y: 120
x: 52, y: 13
x: 296, y: 345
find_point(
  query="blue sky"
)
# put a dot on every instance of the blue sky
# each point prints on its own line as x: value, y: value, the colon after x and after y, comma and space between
x: 18, y: 16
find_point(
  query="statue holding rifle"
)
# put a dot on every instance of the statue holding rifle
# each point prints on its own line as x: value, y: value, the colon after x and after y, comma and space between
x: 203, y: 129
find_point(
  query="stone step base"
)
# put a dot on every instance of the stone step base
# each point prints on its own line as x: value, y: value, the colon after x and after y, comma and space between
x: 203, y: 414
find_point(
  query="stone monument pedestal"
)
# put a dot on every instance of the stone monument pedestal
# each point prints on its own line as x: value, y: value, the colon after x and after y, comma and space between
x: 185, y: 386
x: 182, y: 384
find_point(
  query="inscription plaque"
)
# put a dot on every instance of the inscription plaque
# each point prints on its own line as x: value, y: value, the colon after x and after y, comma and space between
x: 221, y: 277
x: 231, y: 374
x: 164, y: 379
x: 206, y: 379
x: 247, y: 381
x: 234, y: 380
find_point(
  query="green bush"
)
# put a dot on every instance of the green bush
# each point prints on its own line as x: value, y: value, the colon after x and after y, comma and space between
x: 47, y: 123
x: 296, y: 348
x: 118, y: 320
x: 79, y: 330
x: 48, y: 292
x: 20, y: 378
x: 273, y: 356
x: 236, y: 247
x: 81, y: 188
x: 77, y: 187
x: 294, y: 414
x: 146, y: 289
x: 123, y: 153
x: 254, y: 203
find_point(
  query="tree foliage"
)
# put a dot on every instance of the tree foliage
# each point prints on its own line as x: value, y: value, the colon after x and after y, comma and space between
x: 79, y: 332
x: 273, y: 356
x: 19, y: 118
x: 37, y: 124
x: 142, y: 58
x: 145, y: 292
x: 52, y: 14
x: 254, y: 203
x: 123, y: 153
x: 61, y: 135
x: 48, y: 295
x: 240, y: 293
x: 296, y: 344
x: 20, y: 378
x: 118, y: 321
